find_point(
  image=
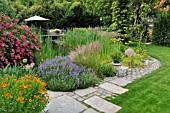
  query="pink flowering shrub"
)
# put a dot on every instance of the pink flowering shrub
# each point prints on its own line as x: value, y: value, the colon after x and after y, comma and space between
x: 17, y: 42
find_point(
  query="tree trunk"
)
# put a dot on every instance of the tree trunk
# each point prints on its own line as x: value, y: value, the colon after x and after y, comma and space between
x: 137, y: 15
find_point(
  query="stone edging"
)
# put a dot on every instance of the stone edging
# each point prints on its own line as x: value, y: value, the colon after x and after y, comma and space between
x: 149, y: 66
x: 92, y: 99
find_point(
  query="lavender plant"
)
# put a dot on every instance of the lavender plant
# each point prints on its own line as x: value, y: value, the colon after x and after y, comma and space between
x: 63, y: 75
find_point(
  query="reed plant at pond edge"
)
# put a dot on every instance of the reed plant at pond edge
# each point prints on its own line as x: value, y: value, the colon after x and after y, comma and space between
x: 78, y: 37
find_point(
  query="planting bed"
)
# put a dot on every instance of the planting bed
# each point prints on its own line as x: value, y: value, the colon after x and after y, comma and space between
x: 134, y: 73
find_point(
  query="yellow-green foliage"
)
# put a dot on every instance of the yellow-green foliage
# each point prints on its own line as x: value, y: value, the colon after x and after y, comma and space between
x: 132, y: 61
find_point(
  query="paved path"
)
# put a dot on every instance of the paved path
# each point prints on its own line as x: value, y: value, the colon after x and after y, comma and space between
x: 90, y: 100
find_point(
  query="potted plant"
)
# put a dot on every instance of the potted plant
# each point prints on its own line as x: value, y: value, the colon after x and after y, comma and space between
x: 57, y: 31
x: 116, y: 57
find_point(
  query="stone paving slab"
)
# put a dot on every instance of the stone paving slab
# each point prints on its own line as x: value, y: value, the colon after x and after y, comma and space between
x: 90, y: 110
x: 80, y: 99
x: 53, y: 94
x: 113, y: 88
x: 102, y: 105
x: 120, y: 81
x: 109, y: 78
x: 83, y: 92
x: 65, y: 104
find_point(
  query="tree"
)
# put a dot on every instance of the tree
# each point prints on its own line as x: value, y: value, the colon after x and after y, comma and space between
x: 141, y: 9
x: 63, y: 13
x: 161, y: 31
x: 6, y: 9
x: 105, y: 11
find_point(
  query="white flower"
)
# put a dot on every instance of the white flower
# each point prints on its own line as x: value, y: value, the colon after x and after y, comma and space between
x: 28, y: 67
x: 32, y: 65
x: 24, y: 60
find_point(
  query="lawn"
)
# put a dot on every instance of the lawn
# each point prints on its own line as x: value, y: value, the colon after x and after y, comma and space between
x: 151, y: 93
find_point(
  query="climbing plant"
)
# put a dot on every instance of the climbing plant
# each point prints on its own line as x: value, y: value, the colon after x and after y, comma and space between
x: 121, y: 18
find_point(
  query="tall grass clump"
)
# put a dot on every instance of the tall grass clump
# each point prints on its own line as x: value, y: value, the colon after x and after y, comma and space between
x: 107, y: 48
x: 49, y: 50
x: 87, y: 55
x: 95, y: 55
x: 78, y: 37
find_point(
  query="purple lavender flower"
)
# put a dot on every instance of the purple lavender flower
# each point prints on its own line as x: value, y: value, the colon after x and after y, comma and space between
x: 62, y: 68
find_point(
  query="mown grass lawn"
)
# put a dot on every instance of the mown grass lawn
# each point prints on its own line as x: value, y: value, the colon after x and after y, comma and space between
x: 151, y: 93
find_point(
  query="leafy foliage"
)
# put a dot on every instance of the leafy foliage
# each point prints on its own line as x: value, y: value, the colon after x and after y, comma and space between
x: 141, y: 14
x: 106, y: 70
x: 6, y: 9
x: 161, y: 31
x: 62, y: 14
x: 132, y: 61
x: 117, y: 57
x: 121, y: 18
x: 18, y: 71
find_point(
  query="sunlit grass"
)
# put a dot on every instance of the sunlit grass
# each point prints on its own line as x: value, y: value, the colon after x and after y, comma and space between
x: 149, y: 94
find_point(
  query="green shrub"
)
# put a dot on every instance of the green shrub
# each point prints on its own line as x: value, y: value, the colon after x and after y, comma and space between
x: 123, y: 48
x: 161, y: 31
x: 106, y: 70
x: 23, y: 95
x: 86, y: 80
x: 121, y: 18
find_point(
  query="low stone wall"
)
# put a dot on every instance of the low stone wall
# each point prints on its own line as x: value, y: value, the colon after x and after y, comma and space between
x: 134, y: 73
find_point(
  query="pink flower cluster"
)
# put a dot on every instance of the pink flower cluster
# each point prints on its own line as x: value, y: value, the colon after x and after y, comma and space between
x: 17, y: 42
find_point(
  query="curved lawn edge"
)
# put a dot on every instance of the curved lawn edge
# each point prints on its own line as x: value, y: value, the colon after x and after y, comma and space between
x: 149, y: 93
x: 138, y: 72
